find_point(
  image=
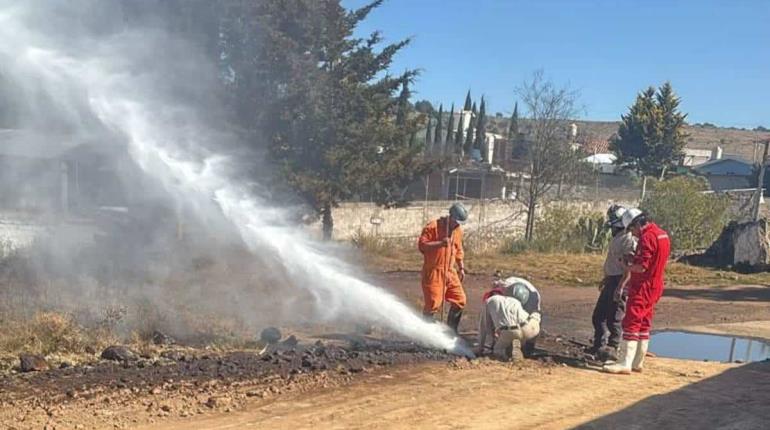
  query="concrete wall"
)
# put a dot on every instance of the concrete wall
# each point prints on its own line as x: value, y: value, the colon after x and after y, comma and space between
x: 486, y: 218
x: 20, y: 230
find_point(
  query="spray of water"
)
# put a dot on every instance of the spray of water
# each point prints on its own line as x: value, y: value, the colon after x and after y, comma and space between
x: 168, y: 140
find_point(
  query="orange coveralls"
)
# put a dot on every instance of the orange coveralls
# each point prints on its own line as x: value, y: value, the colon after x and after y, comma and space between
x: 436, y: 265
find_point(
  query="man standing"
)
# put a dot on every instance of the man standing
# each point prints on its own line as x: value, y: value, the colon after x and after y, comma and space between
x: 645, y: 287
x: 509, y: 317
x: 441, y: 244
x: 611, y: 307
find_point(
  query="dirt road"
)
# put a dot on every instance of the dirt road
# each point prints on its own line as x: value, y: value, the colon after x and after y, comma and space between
x: 488, y: 395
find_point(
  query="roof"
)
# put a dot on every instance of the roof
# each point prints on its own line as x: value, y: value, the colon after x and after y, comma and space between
x: 33, y: 144
x: 604, y: 158
x: 722, y: 160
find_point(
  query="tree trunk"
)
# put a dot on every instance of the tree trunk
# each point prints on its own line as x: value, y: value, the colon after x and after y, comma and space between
x: 328, y: 221
x: 530, y: 229
x: 644, y: 189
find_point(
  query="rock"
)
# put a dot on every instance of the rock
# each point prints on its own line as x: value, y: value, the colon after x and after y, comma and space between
x: 33, y: 363
x: 160, y: 338
x: 270, y: 335
x: 64, y: 365
x: 90, y: 350
x: 173, y: 355
x: 218, y: 401
x: 118, y: 353
x: 290, y: 342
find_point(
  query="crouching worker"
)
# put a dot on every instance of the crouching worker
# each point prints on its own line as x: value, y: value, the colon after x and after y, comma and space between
x: 510, y: 318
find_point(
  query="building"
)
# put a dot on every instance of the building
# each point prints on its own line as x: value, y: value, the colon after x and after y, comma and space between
x: 728, y: 173
x: 692, y: 157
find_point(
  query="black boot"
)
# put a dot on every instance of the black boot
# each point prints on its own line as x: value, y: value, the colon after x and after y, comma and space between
x: 453, y: 318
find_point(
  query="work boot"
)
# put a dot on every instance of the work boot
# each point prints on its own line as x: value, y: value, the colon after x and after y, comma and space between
x: 641, y: 352
x: 453, y: 318
x: 627, y: 354
x: 607, y: 353
x: 508, y: 346
x: 430, y: 316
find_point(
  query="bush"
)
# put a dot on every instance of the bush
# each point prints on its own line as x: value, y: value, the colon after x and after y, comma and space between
x: 561, y: 229
x: 693, y: 218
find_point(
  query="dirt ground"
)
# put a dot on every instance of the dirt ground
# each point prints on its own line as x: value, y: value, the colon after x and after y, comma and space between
x: 339, y: 383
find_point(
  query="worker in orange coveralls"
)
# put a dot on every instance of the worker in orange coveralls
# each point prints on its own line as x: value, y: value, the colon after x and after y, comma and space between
x: 441, y: 244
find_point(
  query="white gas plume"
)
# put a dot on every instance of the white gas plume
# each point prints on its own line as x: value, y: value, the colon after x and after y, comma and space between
x: 124, y: 86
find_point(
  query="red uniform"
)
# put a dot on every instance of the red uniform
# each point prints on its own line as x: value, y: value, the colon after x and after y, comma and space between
x: 645, y: 288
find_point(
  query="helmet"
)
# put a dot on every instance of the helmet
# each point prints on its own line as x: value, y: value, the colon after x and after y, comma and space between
x: 458, y: 212
x: 630, y: 215
x: 615, y: 216
x: 520, y: 292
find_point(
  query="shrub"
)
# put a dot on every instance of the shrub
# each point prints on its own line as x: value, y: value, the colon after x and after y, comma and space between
x: 693, y: 218
x: 563, y: 229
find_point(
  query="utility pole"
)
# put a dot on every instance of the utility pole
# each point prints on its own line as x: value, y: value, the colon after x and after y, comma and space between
x: 760, y: 182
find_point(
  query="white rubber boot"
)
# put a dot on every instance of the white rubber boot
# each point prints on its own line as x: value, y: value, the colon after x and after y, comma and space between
x: 627, y: 354
x: 641, y: 352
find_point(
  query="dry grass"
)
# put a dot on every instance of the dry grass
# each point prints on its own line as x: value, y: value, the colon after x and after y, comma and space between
x: 564, y: 269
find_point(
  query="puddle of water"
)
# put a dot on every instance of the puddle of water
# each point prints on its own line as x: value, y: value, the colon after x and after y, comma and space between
x: 697, y: 346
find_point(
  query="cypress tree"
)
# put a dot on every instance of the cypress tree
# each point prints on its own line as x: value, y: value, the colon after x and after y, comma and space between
x: 427, y: 137
x: 459, y: 135
x: 403, y: 105
x: 439, y: 128
x: 467, y: 101
x: 513, y: 125
x: 450, y: 128
x: 481, y: 128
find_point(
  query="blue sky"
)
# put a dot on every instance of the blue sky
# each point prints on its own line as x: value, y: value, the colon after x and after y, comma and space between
x: 715, y: 53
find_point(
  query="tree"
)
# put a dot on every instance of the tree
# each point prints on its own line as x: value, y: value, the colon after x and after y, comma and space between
x: 651, y: 135
x: 425, y: 107
x: 692, y: 218
x: 437, y: 141
x: 550, y: 110
x: 330, y: 107
x: 428, y: 141
x: 673, y: 137
x: 481, y: 130
x: 470, y: 133
x: 459, y: 134
x: 402, y: 114
x: 450, y: 129
x: 513, y: 124
x: 467, y: 105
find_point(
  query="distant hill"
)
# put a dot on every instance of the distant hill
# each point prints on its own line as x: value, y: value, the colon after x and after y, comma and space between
x: 735, y: 142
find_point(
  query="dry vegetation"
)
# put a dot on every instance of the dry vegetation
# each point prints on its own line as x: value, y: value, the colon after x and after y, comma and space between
x: 567, y: 269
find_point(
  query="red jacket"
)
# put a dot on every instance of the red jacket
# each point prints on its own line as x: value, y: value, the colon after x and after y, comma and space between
x: 652, y: 254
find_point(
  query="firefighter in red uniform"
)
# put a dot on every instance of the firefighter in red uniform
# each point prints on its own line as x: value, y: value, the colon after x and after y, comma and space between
x: 645, y: 286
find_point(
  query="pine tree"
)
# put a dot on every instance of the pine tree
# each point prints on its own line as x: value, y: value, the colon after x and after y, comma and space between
x: 439, y: 129
x: 513, y: 125
x: 330, y: 106
x: 673, y: 137
x: 470, y: 133
x: 481, y: 130
x: 450, y: 129
x: 638, y: 136
x: 467, y: 105
x: 403, y: 105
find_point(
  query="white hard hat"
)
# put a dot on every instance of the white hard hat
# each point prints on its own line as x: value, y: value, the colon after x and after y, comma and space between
x: 630, y: 215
